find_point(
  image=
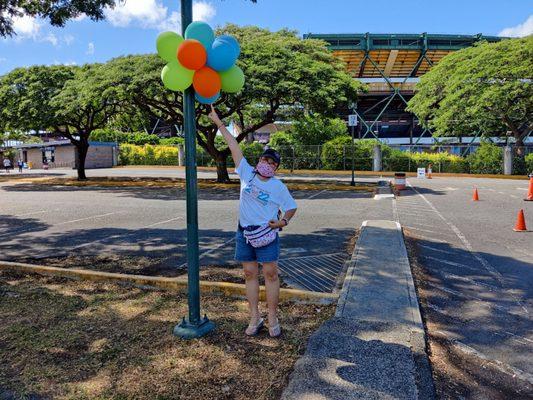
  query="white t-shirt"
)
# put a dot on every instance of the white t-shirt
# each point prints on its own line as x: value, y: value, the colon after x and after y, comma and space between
x: 260, y: 200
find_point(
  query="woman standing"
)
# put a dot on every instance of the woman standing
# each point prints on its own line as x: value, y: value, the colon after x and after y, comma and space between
x: 262, y: 196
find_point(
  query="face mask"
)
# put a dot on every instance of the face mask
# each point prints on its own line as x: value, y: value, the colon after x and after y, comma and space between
x: 265, y: 169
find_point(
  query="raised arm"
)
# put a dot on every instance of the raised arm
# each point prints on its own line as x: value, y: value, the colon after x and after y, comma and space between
x: 234, y: 147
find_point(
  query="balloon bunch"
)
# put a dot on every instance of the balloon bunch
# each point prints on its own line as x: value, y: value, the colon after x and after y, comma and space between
x: 206, y: 62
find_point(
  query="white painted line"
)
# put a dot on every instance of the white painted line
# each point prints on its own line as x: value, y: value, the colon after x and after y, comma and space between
x: 452, y: 263
x: 513, y: 196
x: 499, y: 365
x: 427, y: 230
x: 395, y: 211
x: 161, y: 222
x: 316, y: 194
x: 435, y: 249
x: 524, y: 189
x: 85, y: 219
x: 490, y: 269
x: 383, y: 196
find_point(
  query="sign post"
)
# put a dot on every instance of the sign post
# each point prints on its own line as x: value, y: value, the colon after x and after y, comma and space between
x: 352, y: 123
x: 194, y: 326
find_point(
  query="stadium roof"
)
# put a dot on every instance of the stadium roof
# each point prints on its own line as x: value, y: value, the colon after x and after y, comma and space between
x: 369, y: 55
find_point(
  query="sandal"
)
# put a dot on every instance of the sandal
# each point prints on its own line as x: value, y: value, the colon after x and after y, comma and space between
x: 275, y: 331
x: 256, y: 329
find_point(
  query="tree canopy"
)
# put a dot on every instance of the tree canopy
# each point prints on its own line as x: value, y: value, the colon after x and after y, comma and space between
x: 285, y: 75
x: 486, y: 89
x: 58, y: 12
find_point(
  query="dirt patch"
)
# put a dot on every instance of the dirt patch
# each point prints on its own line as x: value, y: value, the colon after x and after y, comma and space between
x: 458, y: 375
x: 202, y: 183
x: 79, y: 340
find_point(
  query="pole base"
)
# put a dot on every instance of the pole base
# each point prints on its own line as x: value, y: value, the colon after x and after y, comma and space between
x: 186, y: 330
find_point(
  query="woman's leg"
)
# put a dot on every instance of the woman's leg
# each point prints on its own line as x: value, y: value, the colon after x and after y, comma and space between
x: 252, y: 289
x: 270, y: 271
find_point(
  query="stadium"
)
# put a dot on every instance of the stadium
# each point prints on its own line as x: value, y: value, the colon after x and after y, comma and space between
x: 391, y: 65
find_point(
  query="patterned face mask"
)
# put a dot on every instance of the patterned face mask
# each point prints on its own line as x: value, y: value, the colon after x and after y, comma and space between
x: 265, y: 169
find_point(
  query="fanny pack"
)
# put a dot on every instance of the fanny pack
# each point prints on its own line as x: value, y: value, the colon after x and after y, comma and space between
x: 259, y: 235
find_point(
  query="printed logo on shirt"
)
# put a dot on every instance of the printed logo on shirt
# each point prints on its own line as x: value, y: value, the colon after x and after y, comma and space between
x: 260, y: 195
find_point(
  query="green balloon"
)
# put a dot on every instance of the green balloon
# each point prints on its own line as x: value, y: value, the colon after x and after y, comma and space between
x: 232, y: 79
x: 176, y: 77
x: 167, y: 45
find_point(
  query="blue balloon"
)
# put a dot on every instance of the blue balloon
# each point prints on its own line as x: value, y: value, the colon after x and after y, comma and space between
x: 223, y: 53
x: 232, y: 41
x: 207, y: 100
x: 202, y: 32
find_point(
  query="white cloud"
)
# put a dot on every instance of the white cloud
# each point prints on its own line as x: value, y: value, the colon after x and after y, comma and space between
x: 520, y: 30
x: 51, y: 38
x: 153, y: 14
x: 2, y: 59
x: 26, y: 26
x: 56, y: 62
x: 68, y: 39
x: 90, y: 49
x: 146, y: 13
x: 203, y: 11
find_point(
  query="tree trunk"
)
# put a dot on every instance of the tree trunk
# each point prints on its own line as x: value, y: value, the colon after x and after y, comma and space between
x: 520, y: 151
x: 222, y: 168
x: 82, y: 149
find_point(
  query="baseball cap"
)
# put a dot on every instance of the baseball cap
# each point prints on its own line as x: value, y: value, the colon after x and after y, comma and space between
x: 273, y: 154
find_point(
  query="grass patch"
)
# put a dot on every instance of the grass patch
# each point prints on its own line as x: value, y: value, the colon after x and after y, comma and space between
x: 79, y: 340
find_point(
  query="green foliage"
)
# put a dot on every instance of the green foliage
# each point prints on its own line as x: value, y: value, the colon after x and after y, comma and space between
x: 252, y: 151
x: 26, y: 97
x: 131, y: 154
x: 485, y: 88
x: 281, y: 139
x: 487, y: 159
x: 337, y: 153
x: 58, y: 12
x: 317, y: 130
x: 172, y: 141
x: 110, y: 135
x: 529, y: 163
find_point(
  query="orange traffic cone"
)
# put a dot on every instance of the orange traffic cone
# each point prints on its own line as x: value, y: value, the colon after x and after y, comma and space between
x: 530, y: 191
x: 475, y: 197
x: 520, y: 222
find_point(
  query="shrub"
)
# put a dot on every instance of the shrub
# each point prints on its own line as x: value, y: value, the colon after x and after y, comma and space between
x: 110, y: 135
x: 487, y: 159
x: 172, y: 141
x: 529, y: 163
x: 131, y: 154
x: 337, y: 153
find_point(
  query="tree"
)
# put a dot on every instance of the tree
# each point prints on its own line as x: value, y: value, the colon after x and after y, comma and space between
x: 484, y: 89
x: 85, y: 103
x: 284, y: 74
x: 58, y: 12
x: 66, y: 101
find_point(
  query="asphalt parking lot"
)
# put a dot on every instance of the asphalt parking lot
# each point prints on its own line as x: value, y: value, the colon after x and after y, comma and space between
x: 40, y: 221
x: 480, y: 270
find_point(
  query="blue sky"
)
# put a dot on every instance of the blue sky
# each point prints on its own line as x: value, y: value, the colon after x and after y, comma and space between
x: 133, y: 27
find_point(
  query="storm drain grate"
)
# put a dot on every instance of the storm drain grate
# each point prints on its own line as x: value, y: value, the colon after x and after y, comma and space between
x: 315, y: 273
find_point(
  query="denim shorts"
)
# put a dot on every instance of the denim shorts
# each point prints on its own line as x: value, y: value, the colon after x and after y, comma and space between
x: 246, y: 252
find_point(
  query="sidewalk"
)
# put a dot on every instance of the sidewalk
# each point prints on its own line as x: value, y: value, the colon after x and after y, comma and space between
x: 374, y: 347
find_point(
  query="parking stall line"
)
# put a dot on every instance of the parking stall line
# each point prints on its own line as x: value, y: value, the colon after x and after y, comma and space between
x: 486, y: 265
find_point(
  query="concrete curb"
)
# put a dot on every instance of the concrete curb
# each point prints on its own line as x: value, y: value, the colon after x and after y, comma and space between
x: 374, y: 347
x: 174, y: 284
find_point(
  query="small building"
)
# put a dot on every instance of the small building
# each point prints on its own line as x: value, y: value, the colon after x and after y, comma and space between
x: 63, y: 154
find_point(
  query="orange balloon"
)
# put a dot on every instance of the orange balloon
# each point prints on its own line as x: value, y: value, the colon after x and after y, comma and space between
x: 192, y: 54
x: 206, y: 82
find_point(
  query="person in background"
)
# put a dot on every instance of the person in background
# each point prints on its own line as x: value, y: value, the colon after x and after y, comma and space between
x: 7, y: 164
x: 20, y: 164
x: 262, y: 196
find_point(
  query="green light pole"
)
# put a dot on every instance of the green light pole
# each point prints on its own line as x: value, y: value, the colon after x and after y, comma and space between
x: 194, y: 326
